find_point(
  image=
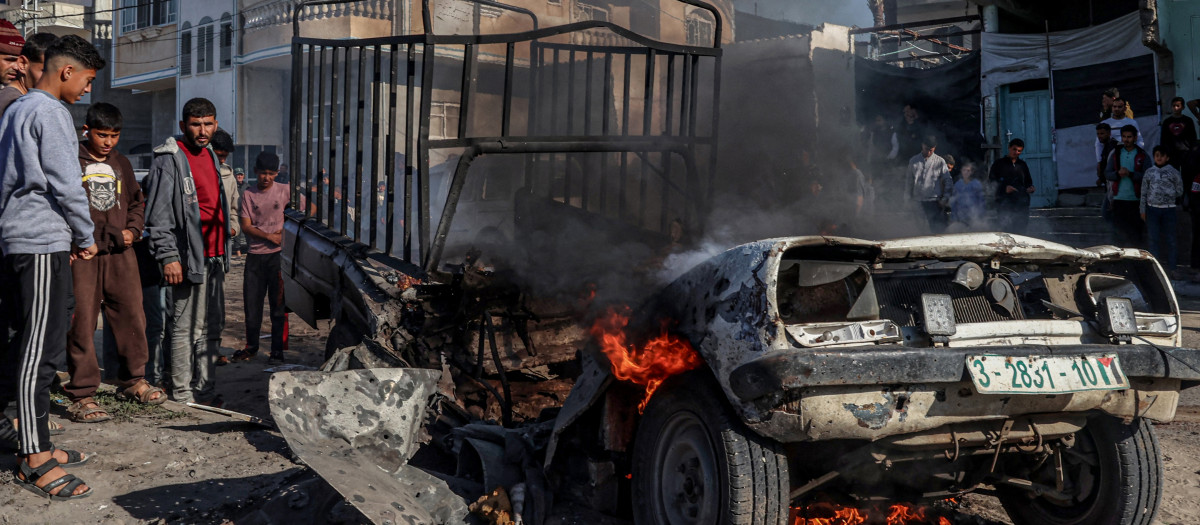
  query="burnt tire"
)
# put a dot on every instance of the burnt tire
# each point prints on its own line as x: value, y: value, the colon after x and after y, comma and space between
x: 1125, y: 482
x: 695, y: 463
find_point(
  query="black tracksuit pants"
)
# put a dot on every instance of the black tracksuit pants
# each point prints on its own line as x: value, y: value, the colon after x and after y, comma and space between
x: 37, y: 308
x: 263, y: 278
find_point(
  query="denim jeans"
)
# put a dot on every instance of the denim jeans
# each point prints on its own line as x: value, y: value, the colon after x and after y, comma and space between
x: 1160, y: 225
x: 191, y: 361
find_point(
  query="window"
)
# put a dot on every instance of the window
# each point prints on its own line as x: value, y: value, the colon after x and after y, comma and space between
x: 185, y: 50
x: 699, y: 28
x: 443, y: 120
x: 204, y: 45
x: 584, y: 11
x: 137, y: 14
x: 226, y: 41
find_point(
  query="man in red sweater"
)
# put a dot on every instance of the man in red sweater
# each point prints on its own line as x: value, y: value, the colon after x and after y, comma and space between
x: 191, y: 220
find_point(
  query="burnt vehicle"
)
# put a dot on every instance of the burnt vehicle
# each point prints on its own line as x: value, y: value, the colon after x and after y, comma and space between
x: 503, y: 364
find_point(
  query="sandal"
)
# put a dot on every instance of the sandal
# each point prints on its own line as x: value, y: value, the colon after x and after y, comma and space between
x: 68, y: 482
x: 80, y: 410
x: 143, y: 392
x: 74, y: 458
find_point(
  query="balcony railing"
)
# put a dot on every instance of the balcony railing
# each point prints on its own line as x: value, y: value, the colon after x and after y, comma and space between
x: 281, y: 12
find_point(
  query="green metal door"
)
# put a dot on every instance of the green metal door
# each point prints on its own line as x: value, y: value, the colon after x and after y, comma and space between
x: 1026, y: 115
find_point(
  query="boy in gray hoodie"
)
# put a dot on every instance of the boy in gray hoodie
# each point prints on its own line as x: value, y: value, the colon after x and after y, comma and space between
x: 45, y: 223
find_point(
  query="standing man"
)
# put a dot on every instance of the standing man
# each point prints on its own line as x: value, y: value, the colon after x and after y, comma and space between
x: 1178, y: 133
x: 930, y: 184
x: 190, y: 221
x: 44, y: 224
x: 11, y: 43
x: 222, y: 146
x: 109, y: 282
x: 32, y: 66
x: 262, y: 220
x: 1120, y: 118
x: 1125, y: 168
x: 1012, y: 184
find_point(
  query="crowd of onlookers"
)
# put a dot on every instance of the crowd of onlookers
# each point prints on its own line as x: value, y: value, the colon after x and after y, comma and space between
x: 1143, y: 190
x: 82, y: 237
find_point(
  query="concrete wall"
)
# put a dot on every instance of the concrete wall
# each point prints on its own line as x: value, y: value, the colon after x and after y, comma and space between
x: 1179, y: 24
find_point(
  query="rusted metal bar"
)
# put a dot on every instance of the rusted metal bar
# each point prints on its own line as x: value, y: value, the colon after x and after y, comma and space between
x: 427, y: 91
x: 647, y: 124
x: 311, y: 172
x: 318, y: 135
x: 344, y: 181
x: 605, y: 128
x: 390, y: 159
x: 410, y: 94
x: 334, y: 81
x: 470, y: 57
x: 506, y: 113
x: 669, y: 96
x: 375, y: 149
x: 621, y: 181
x: 294, y: 116
x: 360, y: 99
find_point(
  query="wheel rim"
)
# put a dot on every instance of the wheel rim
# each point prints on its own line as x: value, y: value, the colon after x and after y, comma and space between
x: 685, y: 489
x: 1086, y: 468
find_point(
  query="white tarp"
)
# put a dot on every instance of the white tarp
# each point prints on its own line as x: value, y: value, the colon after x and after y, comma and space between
x: 1008, y: 58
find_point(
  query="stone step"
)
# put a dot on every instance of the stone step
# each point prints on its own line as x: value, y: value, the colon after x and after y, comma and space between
x: 1073, y: 211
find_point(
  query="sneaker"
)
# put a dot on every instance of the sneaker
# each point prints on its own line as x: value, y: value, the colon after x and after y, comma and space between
x: 222, y: 361
x: 275, y: 359
x: 244, y: 354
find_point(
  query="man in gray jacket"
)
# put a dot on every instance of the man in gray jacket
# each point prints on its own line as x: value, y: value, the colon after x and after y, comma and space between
x: 191, y: 221
x: 930, y: 184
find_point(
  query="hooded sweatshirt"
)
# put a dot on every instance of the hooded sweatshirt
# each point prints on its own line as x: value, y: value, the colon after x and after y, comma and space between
x: 173, y: 211
x: 43, y: 207
x: 115, y: 198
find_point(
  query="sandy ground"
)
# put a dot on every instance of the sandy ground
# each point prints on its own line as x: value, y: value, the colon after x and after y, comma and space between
x: 182, y: 466
x: 187, y: 466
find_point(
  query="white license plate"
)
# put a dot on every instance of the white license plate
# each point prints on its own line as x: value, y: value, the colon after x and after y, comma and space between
x: 998, y: 374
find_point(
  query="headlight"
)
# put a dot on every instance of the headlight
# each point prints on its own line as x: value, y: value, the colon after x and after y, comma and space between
x: 938, y: 315
x: 1117, y: 316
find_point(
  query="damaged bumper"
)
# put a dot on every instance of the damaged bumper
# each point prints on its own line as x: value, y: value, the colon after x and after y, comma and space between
x: 879, y: 391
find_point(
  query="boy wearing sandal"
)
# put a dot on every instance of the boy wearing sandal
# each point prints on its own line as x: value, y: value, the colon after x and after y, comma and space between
x: 110, y: 282
x: 44, y: 225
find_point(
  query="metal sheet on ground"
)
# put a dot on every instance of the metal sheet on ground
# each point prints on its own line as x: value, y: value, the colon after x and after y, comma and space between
x: 357, y: 429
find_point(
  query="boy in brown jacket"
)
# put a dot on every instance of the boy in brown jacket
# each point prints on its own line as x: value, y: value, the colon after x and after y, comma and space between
x: 111, y: 278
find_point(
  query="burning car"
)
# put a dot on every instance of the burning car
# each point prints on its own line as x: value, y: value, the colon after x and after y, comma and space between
x: 921, y: 368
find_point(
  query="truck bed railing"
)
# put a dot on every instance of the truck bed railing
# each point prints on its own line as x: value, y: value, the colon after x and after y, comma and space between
x: 610, y: 129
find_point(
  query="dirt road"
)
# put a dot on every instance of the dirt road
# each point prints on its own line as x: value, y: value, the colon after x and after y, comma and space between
x: 160, y: 466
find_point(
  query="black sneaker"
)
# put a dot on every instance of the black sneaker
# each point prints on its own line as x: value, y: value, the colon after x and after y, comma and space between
x: 275, y: 359
x: 244, y: 354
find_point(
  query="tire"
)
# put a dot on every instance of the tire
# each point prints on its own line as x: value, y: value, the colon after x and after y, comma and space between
x: 1124, y: 487
x: 694, y: 463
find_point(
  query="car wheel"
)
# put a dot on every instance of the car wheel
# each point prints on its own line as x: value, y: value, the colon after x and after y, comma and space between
x: 1116, y: 470
x: 695, y: 463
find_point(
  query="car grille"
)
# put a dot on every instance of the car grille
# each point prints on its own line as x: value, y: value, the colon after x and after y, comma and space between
x: 900, y: 300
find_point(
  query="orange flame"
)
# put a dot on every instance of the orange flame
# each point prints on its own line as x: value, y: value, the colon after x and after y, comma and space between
x: 650, y: 365
x: 827, y: 513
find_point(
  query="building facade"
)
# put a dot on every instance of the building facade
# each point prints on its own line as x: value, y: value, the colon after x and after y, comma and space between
x: 237, y: 53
